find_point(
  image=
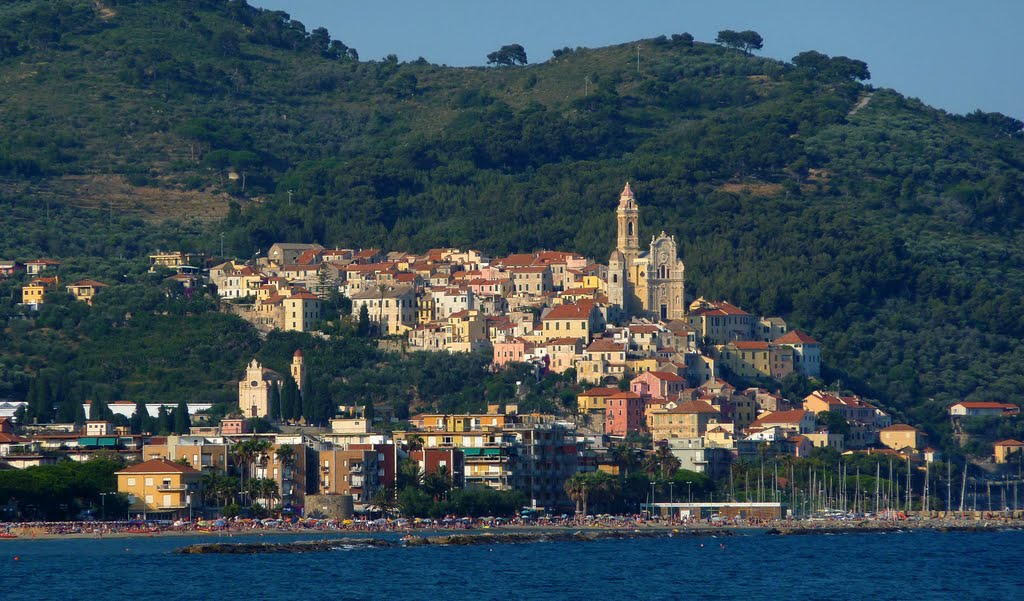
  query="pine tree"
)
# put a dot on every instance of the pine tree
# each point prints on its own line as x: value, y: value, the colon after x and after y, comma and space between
x: 181, y: 418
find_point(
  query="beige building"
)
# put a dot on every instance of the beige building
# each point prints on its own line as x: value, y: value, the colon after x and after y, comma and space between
x: 254, y: 388
x: 159, y: 486
x: 901, y: 436
x: 685, y: 419
x: 755, y: 359
x: 391, y: 309
x: 33, y: 293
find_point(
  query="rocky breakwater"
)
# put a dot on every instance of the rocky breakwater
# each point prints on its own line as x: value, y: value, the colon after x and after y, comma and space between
x: 498, y: 538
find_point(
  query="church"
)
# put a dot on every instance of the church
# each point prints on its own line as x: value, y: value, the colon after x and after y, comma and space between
x: 644, y: 283
x: 254, y: 388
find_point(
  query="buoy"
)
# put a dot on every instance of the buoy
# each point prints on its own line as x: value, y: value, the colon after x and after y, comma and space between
x: 16, y: 558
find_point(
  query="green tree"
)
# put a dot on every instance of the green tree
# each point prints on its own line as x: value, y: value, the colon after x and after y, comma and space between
x: 507, y: 56
x: 139, y: 420
x: 290, y: 407
x: 363, y: 330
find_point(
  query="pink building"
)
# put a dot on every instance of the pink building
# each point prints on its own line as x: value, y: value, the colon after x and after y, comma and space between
x: 656, y: 384
x: 512, y: 350
x: 624, y: 413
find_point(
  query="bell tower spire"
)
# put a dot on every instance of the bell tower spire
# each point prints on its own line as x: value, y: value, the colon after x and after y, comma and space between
x: 628, y: 216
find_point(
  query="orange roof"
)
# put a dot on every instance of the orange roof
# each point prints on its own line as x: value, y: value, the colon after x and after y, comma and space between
x: 666, y: 376
x: 985, y: 405
x: 795, y: 337
x: 751, y: 345
x: 570, y: 311
x: 694, y: 407
x: 900, y: 428
x: 1009, y: 442
x: 87, y: 283
x: 604, y: 344
x: 793, y: 416
x: 600, y: 392
x: 625, y: 394
x: 158, y: 466
x: 11, y: 438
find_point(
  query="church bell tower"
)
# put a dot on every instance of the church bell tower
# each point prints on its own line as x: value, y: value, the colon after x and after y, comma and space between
x: 628, y: 215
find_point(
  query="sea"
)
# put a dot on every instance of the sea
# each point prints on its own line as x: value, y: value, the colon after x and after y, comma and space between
x: 912, y: 566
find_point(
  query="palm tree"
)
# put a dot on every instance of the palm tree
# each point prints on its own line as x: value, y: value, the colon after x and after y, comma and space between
x: 409, y: 474
x: 624, y: 456
x: 668, y: 463
x: 385, y: 499
x: 576, y: 487
x: 414, y: 442
x: 285, y: 455
x: 438, y: 482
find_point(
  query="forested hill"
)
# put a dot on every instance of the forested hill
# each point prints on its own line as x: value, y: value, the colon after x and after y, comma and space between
x: 888, y: 229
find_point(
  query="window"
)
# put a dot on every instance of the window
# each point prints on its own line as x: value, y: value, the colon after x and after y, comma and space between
x: 131, y: 481
x: 149, y: 482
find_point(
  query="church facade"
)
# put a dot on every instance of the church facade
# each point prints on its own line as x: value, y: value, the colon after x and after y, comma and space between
x: 648, y: 282
x: 254, y: 389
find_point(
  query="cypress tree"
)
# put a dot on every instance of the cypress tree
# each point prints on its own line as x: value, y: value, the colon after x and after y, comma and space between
x: 139, y: 421
x: 98, y: 410
x: 164, y: 423
x: 181, y: 418
x: 363, y: 329
x: 289, y: 398
x: 274, y: 403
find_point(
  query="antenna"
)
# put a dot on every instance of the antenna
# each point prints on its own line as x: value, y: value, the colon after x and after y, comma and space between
x: 289, y: 197
x: 638, y: 58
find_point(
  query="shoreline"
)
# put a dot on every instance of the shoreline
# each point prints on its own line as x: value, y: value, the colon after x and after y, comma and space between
x: 804, y: 527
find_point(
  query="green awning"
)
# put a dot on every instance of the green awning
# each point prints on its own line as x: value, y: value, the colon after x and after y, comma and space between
x: 471, y: 451
x: 106, y: 442
x: 492, y: 451
x: 86, y: 442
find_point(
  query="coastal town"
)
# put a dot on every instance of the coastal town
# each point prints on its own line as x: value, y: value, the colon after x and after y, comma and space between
x: 673, y: 387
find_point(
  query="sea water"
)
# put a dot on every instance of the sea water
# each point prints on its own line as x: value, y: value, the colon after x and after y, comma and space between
x: 915, y: 566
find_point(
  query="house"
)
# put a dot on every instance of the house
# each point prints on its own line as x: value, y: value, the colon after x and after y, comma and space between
x: 719, y: 323
x: 391, y: 309
x: 181, y: 262
x: 594, y: 400
x: 1004, y: 449
x: 284, y: 253
x: 754, y: 359
x: 40, y: 265
x: 85, y: 290
x: 799, y: 421
x: 806, y: 352
x: 624, y: 413
x: 33, y: 293
x: 603, y: 361
x: 162, y: 487
x: 683, y: 419
x: 571, y: 320
x: 349, y: 472
x: 901, y: 436
x: 983, y: 408
x: 658, y: 384
x: 9, y: 268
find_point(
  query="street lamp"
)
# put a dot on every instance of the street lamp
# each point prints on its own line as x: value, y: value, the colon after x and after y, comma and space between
x: 689, y: 495
x: 650, y: 508
x: 103, y: 503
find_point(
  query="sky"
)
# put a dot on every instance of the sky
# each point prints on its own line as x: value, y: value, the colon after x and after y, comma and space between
x: 958, y: 55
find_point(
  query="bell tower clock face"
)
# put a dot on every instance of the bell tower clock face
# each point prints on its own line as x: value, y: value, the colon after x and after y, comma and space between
x: 254, y: 384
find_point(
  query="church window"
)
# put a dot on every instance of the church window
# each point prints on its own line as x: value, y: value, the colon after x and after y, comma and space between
x: 615, y: 278
x: 630, y: 228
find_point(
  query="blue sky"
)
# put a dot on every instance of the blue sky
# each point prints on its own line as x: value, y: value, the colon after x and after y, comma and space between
x: 956, y: 55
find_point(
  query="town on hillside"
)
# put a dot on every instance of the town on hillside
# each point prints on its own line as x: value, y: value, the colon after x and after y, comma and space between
x: 673, y: 388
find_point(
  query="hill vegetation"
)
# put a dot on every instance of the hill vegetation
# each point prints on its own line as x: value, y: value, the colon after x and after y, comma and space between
x: 888, y: 229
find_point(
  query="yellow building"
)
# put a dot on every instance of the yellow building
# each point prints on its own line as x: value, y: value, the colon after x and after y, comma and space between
x: 34, y: 291
x: 85, y: 290
x: 571, y: 320
x: 1004, y: 448
x: 594, y: 400
x: 159, y: 486
x: 393, y: 310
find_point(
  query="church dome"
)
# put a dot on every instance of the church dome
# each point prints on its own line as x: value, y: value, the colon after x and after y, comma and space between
x: 298, y: 353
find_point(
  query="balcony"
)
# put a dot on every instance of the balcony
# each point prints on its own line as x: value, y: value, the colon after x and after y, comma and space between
x: 171, y: 487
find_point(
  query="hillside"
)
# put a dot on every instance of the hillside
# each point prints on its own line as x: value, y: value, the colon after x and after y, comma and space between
x: 888, y: 229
